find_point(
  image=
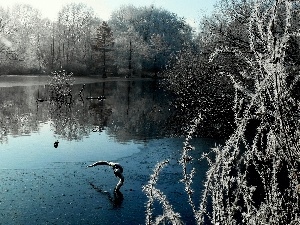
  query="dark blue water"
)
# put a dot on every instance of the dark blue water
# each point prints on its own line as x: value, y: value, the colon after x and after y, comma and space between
x: 41, y: 184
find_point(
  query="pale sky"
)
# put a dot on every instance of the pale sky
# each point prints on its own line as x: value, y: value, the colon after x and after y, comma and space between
x: 192, y: 10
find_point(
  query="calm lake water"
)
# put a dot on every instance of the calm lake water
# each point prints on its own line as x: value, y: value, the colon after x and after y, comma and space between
x: 131, y: 113
x: 128, y: 123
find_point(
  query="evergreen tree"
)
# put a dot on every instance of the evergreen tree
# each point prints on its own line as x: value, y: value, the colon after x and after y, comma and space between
x: 102, y: 47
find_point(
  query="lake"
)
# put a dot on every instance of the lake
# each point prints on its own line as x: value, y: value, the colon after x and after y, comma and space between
x: 124, y: 121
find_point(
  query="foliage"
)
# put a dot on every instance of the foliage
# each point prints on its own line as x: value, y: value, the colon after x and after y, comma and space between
x: 155, y: 194
x: 199, y: 88
x: 254, y: 177
x: 102, y: 46
x: 155, y: 33
x: 60, y: 87
x: 144, y: 39
x: 19, y: 35
x: 71, y: 36
x: 129, y: 51
x: 104, y: 37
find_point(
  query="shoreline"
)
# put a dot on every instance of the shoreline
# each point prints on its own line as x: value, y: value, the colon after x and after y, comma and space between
x: 29, y: 80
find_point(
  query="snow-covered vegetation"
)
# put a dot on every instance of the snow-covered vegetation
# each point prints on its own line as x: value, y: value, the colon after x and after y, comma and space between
x: 134, y: 39
x: 254, y: 177
x: 237, y: 78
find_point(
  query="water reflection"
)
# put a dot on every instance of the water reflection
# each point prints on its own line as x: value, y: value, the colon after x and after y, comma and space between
x: 116, y: 199
x: 126, y: 110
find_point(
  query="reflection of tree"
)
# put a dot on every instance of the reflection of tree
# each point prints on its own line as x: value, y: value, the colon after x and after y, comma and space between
x: 139, y: 111
x: 60, y: 87
x: 21, y: 113
x: 116, y: 200
x: 66, y: 122
x: 130, y: 110
x: 79, y: 119
x: 17, y: 116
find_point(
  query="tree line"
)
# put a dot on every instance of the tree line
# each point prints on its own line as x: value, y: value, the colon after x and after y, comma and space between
x: 135, y: 39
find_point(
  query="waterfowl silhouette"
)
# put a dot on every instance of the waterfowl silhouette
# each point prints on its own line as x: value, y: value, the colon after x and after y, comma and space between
x: 56, y: 144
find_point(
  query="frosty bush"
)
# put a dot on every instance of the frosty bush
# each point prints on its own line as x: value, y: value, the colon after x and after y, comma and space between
x: 200, y: 89
x: 154, y: 194
x: 253, y: 178
x: 60, y: 86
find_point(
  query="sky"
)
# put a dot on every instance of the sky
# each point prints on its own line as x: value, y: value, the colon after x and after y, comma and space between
x: 191, y: 10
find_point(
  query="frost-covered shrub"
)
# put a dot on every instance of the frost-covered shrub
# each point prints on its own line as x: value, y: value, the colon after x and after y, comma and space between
x: 200, y: 89
x: 155, y: 194
x: 60, y: 86
x: 254, y: 177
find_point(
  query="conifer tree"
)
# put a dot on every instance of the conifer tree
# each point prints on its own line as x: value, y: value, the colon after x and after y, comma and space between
x: 102, y: 45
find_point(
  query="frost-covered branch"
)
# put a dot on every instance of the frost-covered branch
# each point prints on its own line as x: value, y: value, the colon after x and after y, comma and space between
x: 251, y: 180
x: 154, y: 194
x: 254, y: 177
